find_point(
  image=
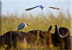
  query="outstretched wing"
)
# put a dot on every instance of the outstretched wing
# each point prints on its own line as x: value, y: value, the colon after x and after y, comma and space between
x: 40, y: 6
x: 30, y: 8
x: 54, y: 8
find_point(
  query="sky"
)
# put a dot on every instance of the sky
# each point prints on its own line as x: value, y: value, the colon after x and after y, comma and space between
x: 19, y: 6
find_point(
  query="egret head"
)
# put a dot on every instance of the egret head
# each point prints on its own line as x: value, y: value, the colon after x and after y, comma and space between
x: 27, y: 24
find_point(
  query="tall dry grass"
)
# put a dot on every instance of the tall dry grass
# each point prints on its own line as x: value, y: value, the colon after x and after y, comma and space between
x: 10, y: 22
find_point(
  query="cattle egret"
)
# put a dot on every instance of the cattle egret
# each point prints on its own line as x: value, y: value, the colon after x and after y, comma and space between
x: 42, y: 6
x: 22, y: 25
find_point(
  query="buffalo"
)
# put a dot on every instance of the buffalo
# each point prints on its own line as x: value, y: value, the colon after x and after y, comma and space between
x: 12, y: 37
x: 62, y: 38
x: 45, y: 35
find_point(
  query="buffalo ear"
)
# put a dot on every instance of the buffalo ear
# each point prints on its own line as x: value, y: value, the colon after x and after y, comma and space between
x: 50, y: 28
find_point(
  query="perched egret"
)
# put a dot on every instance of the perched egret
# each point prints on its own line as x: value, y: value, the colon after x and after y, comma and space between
x: 42, y: 6
x: 22, y: 25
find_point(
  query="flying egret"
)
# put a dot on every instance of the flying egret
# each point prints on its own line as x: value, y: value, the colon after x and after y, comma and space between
x: 42, y: 6
x: 22, y: 25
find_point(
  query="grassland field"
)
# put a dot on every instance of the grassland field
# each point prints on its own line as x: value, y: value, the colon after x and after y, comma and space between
x: 42, y: 22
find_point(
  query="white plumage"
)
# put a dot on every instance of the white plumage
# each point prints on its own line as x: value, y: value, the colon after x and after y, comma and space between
x: 42, y: 6
x: 22, y: 25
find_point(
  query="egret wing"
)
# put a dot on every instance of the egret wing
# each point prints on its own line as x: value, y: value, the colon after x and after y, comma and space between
x: 54, y: 8
x: 30, y: 8
x: 21, y: 26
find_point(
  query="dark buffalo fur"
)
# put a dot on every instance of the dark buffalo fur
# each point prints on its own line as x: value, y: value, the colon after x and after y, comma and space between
x: 35, y: 32
x: 45, y: 35
x: 41, y: 33
x: 6, y: 38
x: 30, y: 38
x: 64, y: 40
x: 57, y: 41
x: 10, y: 38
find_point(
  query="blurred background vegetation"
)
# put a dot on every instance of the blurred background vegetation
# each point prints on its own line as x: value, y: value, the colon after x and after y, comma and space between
x: 42, y: 22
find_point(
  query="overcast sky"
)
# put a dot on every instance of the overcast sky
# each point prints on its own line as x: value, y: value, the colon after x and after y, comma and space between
x: 20, y: 5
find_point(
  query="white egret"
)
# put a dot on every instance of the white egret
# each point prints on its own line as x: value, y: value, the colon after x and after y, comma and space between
x: 22, y: 25
x: 42, y: 6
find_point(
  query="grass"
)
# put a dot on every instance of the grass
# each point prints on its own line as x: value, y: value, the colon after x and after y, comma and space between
x: 10, y: 22
x: 40, y: 22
